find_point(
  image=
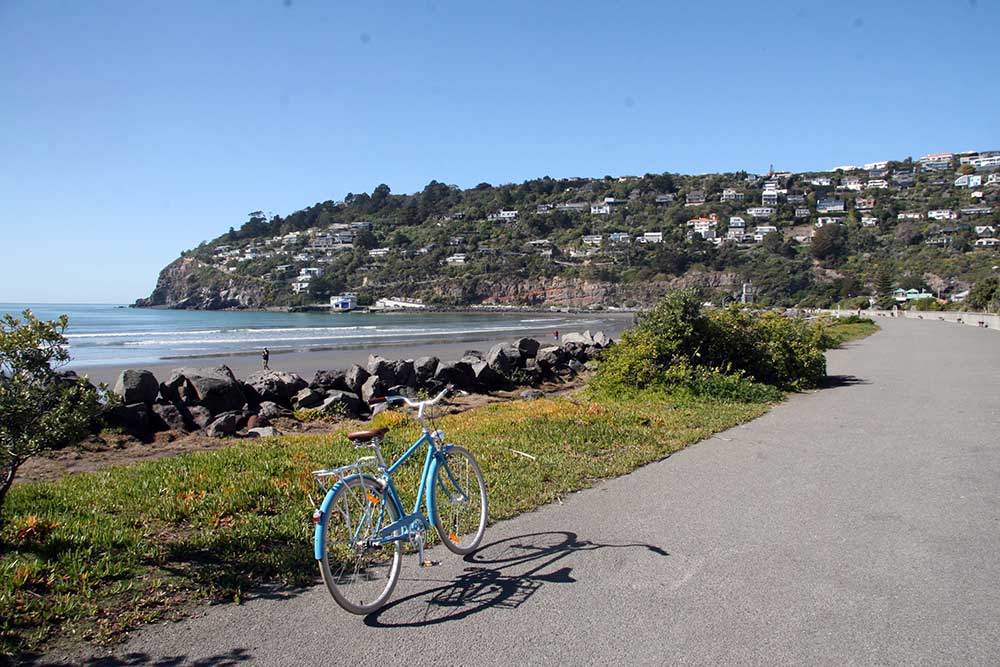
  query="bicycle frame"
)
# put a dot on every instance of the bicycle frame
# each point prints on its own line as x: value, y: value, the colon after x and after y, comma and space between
x: 408, y: 523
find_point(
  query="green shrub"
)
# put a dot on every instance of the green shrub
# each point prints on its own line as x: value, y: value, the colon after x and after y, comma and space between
x: 730, y: 352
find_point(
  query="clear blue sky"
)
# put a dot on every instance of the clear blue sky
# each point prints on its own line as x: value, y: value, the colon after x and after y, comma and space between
x: 130, y: 131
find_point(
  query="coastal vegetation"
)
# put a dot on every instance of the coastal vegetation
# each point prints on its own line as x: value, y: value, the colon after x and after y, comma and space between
x: 95, y: 554
x: 40, y: 408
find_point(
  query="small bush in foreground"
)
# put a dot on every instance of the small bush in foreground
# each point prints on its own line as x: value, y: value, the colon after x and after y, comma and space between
x: 678, y: 344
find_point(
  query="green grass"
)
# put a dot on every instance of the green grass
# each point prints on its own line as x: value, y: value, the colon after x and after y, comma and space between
x: 98, y: 553
x: 850, y: 331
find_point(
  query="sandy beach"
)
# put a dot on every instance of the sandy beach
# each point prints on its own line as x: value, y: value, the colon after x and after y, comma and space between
x: 306, y: 362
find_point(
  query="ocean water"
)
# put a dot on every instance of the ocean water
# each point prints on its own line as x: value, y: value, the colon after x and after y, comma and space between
x: 109, y: 335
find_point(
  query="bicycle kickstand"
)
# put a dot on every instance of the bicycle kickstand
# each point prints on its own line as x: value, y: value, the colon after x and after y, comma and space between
x: 420, y: 551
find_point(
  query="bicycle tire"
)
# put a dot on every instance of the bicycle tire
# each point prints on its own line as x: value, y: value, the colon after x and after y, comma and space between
x: 359, y: 578
x: 465, y: 507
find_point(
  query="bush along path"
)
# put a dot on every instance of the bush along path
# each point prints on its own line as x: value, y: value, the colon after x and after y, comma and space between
x: 93, y: 555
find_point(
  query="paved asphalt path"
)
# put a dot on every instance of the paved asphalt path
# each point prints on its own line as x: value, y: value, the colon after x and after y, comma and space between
x: 858, y: 524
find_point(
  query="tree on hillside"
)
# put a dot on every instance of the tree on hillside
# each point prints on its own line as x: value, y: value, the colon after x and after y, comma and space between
x: 985, y: 294
x: 829, y: 243
x: 40, y: 408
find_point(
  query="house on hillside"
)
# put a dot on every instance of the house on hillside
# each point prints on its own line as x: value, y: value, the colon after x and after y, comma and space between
x: 830, y: 205
x: 600, y: 209
x: 864, y: 203
x: 619, y: 237
x: 456, y: 260
x: 502, y: 216
x: 877, y: 184
x: 736, y: 221
x: 650, y: 237
x: 732, y: 194
x: 663, y: 200
x: 802, y: 212
x: 695, y: 198
x: 969, y: 181
x: 869, y: 221
x: 760, y: 211
x: 769, y: 198
x: 987, y: 242
x: 942, y: 214
x: 593, y: 239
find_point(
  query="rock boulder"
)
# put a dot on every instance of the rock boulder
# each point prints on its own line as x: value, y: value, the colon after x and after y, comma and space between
x: 137, y: 386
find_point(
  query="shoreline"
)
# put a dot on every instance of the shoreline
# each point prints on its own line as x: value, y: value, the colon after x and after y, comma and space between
x: 305, y: 362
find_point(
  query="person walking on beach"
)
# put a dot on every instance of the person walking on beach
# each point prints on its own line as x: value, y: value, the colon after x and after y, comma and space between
x: 555, y: 334
x: 264, y: 357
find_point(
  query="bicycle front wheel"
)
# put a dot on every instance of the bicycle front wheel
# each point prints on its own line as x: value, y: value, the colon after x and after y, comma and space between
x: 359, y: 571
x: 459, y: 501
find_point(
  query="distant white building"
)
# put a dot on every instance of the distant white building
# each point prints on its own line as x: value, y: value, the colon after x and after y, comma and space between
x: 343, y: 303
x: 731, y: 194
x: 942, y: 214
x: 760, y: 211
x: 969, y: 181
x: 600, y: 209
x: 869, y: 221
x: 650, y: 237
x: 877, y: 184
x: 378, y: 252
x: 736, y: 221
x: 830, y: 205
x: 619, y: 237
x: 502, y: 215
x: 988, y: 242
x: 593, y: 239
x: 823, y: 221
x: 910, y: 215
x: 398, y: 303
x: 876, y: 165
x: 456, y: 259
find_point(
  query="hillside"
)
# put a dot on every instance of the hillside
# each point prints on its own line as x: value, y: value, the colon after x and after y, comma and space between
x: 798, y: 238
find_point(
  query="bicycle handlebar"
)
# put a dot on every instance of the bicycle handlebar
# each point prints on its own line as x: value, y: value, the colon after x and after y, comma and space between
x: 413, y: 404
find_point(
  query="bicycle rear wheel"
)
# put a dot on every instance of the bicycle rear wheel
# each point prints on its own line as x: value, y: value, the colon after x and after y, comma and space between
x: 359, y: 573
x: 459, y: 501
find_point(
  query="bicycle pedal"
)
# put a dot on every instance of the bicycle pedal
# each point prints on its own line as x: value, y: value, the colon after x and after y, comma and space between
x: 430, y: 563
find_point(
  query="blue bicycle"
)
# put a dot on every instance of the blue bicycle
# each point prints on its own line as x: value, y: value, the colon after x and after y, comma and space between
x: 362, y: 524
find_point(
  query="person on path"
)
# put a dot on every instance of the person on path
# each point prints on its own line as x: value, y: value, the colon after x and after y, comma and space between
x: 264, y: 357
x: 555, y: 334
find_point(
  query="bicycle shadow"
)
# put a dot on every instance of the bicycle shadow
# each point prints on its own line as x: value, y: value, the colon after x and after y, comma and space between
x: 491, y: 582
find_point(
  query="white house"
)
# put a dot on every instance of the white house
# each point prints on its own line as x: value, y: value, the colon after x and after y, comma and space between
x: 736, y: 234
x: 650, y: 237
x: 869, y: 221
x: 456, y: 259
x: 760, y: 211
x: 936, y: 157
x: 910, y: 215
x: 311, y: 271
x: 877, y: 184
x: 731, y: 194
x: 823, y: 221
x: 802, y: 212
x: 502, y: 215
x: 821, y: 181
x: 343, y: 303
x: 301, y: 283
x: 988, y: 242
x: 600, y: 209
x: 737, y: 221
x: 876, y: 165
x: 993, y: 179
x: 969, y: 181
x: 864, y: 203
x: 619, y: 237
x: 942, y: 214
x: 986, y: 162
x: 769, y: 197
x: 763, y: 230
x: 574, y: 206
x: 985, y: 230
x: 378, y: 252
x: 593, y: 239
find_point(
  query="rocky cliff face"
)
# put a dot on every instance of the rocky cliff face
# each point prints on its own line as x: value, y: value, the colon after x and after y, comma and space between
x: 190, y: 284
x: 187, y: 283
x: 577, y: 293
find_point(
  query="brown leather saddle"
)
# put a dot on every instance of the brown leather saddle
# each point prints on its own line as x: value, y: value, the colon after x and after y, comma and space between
x: 367, y: 435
